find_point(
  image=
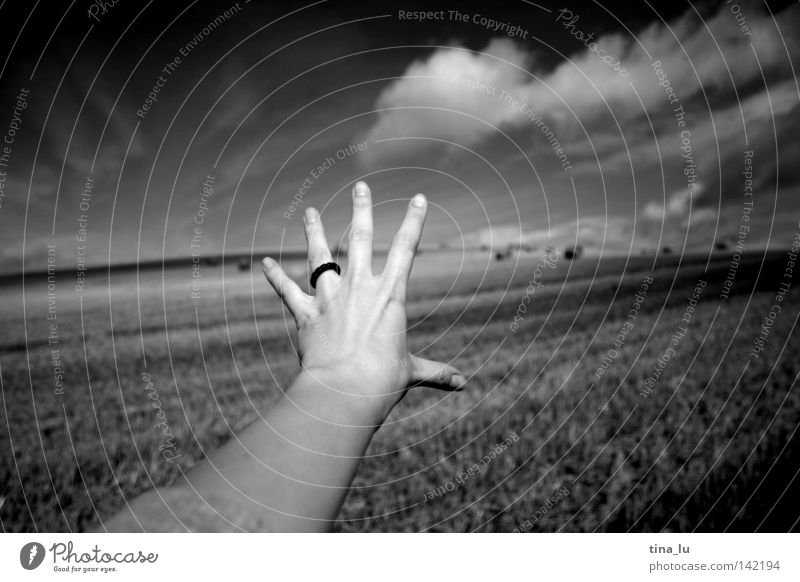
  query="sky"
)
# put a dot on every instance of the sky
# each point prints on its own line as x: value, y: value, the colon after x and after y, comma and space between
x: 623, y: 127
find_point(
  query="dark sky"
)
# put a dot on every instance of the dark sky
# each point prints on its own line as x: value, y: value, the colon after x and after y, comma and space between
x: 447, y: 107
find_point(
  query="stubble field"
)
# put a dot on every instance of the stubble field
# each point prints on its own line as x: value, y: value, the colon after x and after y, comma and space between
x: 711, y: 447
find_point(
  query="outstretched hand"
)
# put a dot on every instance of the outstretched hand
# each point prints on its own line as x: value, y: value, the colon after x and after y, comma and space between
x: 291, y: 470
x: 354, y: 327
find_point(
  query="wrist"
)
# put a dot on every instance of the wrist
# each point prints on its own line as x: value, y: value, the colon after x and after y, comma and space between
x: 342, y: 396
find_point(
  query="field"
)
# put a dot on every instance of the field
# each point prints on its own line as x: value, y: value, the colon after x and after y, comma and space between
x: 711, y: 447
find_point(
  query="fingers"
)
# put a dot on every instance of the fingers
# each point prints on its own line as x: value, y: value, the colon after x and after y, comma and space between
x: 404, y: 246
x: 290, y: 293
x: 359, y: 250
x: 318, y: 251
x: 436, y: 374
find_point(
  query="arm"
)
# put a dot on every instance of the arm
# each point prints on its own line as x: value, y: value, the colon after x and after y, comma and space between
x: 292, y: 471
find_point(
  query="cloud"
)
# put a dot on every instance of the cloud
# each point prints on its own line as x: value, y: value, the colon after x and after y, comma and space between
x: 701, y: 58
x: 595, y: 233
x: 678, y: 204
x: 700, y: 216
x: 443, y: 81
x: 736, y: 86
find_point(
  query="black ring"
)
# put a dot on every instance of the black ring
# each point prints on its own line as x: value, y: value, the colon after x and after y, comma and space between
x: 321, y: 269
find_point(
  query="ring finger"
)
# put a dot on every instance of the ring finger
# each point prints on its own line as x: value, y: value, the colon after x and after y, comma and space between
x: 318, y: 251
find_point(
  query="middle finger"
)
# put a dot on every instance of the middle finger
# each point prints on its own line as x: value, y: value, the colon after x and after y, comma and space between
x: 359, y: 249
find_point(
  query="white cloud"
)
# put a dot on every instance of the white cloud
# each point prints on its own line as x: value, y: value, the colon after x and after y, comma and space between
x: 699, y: 216
x: 695, y: 54
x: 438, y: 83
x: 594, y: 233
x: 653, y: 211
x: 678, y: 204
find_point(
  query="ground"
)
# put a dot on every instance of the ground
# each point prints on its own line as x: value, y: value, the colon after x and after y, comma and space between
x: 712, y: 446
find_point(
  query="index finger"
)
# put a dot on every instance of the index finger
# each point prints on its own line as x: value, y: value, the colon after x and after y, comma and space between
x: 406, y: 241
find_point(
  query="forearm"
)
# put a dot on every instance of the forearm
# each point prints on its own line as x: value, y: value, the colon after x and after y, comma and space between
x: 288, y: 472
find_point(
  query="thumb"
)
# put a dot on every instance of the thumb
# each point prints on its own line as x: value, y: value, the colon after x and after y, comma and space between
x: 436, y: 374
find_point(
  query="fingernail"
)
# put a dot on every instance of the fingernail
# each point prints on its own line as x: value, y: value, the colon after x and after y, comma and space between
x: 459, y: 380
x: 360, y: 189
x: 266, y: 262
x: 310, y: 216
x: 418, y: 200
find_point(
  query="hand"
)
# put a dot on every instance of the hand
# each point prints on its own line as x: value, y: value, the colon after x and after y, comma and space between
x: 353, y: 331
